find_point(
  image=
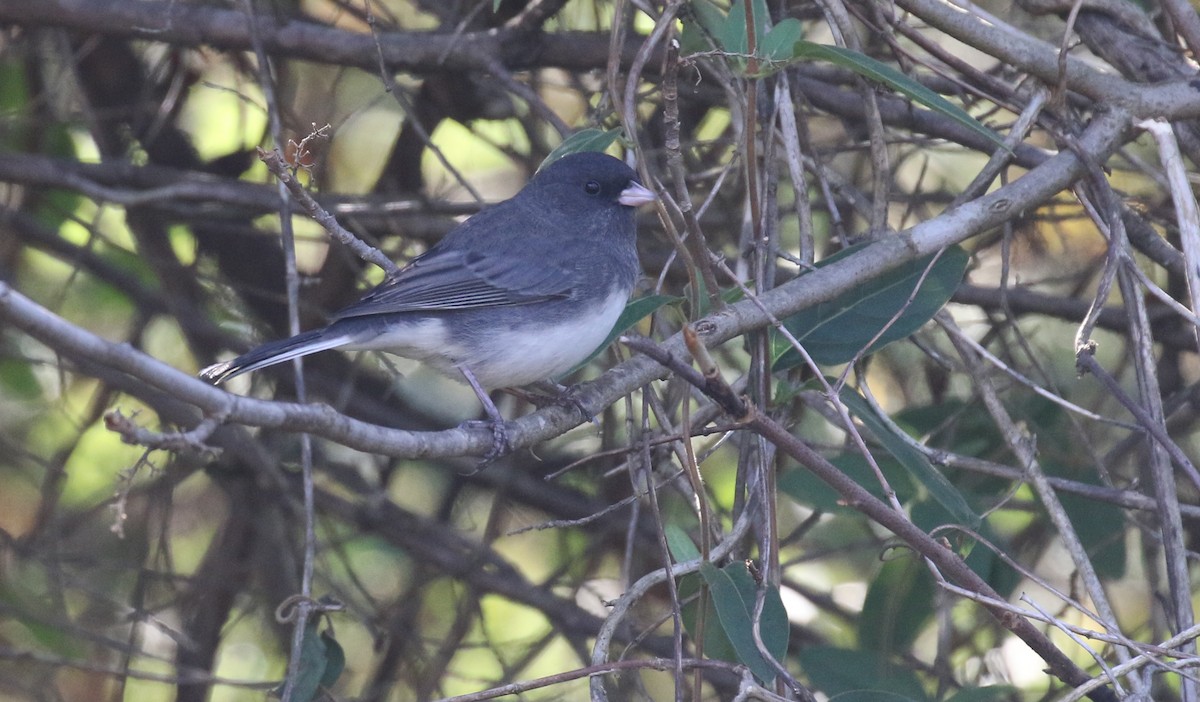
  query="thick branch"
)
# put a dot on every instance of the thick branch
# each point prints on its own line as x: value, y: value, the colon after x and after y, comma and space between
x: 193, y: 193
x: 187, y: 24
x: 1172, y: 100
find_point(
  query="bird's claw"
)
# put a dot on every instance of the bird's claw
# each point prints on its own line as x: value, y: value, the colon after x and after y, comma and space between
x: 553, y: 394
x: 501, y: 444
x: 569, y: 397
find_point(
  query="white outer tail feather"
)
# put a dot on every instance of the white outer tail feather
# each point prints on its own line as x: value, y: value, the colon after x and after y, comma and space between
x: 220, y: 372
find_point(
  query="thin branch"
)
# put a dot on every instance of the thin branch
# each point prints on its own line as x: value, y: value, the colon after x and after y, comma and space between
x: 276, y: 164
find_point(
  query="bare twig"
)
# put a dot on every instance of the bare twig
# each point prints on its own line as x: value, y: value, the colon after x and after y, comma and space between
x: 279, y: 167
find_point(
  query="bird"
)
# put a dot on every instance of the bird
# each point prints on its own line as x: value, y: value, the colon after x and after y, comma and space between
x: 523, y: 291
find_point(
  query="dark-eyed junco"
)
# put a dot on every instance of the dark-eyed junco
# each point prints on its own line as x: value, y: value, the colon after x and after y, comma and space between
x: 523, y: 291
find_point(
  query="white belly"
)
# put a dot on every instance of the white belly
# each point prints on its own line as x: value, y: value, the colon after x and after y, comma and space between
x: 523, y: 356
x: 512, y: 357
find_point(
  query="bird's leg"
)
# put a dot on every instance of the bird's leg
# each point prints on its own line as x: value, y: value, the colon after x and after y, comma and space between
x: 500, y: 444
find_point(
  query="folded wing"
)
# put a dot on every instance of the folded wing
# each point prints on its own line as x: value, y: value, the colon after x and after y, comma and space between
x: 459, y: 280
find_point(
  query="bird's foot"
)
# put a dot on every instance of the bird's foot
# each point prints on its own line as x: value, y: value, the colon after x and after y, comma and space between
x: 500, y: 441
x: 501, y: 444
x: 556, y: 395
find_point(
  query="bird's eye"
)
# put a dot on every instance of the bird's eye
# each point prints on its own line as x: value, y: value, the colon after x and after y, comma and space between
x: 591, y: 187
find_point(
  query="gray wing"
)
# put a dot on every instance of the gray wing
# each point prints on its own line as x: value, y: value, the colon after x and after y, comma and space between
x: 459, y: 280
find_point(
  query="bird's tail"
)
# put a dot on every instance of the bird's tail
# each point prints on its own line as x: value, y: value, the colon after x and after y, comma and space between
x: 274, y: 352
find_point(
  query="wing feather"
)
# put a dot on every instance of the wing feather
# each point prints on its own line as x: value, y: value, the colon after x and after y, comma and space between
x: 459, y: 280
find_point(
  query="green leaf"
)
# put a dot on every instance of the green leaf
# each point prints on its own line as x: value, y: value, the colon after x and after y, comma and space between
x: 681, y: 545
x: 806, y: 488
x: 633, y: 313
x: 732, y: 34
x: 321, y: 663
x: 716, y: 643
x: 700, y: 27
x: 899, y: 603
x: 928, y: 515
x: 780, y: 42
x: 590, y: 139
x: 637, y: 310
x: 837, y: 330
x: 1100, y: 525
x: 335, y: 659
x: 841, y: 671
x: 699, y: 296
x: 918, y: 466
x: 734, y: 39
x: 869, y: 68
x: 733, y: 593
x: 734, y: 294
x: 987, y: 565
